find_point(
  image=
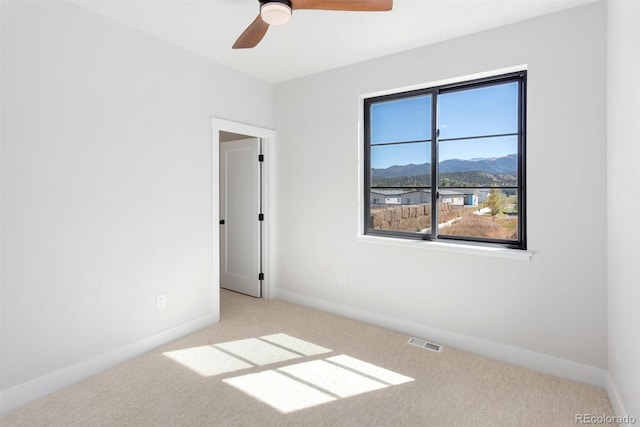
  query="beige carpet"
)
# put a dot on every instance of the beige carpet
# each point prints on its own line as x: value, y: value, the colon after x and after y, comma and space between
x: 451, y: 388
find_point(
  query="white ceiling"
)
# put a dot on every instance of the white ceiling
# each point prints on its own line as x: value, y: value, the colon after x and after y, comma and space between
x: 315, y: 41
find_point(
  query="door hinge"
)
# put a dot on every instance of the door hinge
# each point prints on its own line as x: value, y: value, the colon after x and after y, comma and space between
x: 261, y: 157
x: 260, y: 217
x: 260, y: 276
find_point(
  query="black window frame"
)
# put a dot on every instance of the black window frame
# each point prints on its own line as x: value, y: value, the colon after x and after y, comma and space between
x: 435, y: 91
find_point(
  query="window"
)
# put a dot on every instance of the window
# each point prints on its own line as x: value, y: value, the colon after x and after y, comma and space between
x: 455, y: 155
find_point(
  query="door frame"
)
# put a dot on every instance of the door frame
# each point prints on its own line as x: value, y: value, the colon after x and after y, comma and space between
x: 268, y: 137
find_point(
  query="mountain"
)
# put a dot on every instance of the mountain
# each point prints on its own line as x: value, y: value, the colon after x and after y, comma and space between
x: 404, y: 170
x: 500, y: 165
x: 449, y: 179
x: 506, y: 164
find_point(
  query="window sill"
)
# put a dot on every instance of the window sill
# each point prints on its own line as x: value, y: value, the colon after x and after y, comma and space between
x: 448, y: 247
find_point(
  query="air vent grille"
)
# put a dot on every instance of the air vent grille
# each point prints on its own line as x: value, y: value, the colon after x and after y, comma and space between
x: 425, y: 344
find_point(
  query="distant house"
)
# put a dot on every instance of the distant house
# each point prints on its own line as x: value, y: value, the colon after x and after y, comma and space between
x: 381, y: 197
x: 388, y: 197
x: 456, y: 198
x: 416, y: 197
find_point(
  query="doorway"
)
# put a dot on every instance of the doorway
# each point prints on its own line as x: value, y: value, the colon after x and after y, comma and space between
x: 241, y: 214
x: 233, y: 260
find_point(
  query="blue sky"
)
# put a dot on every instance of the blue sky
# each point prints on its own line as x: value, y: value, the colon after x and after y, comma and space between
x: 482, y: 111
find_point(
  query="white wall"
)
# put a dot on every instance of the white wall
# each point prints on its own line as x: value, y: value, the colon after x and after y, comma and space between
x: 106, y: 185
x: 553, y: 305
x: 623, y: 158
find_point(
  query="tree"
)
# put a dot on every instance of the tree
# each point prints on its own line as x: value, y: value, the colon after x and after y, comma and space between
x: 495, y: 201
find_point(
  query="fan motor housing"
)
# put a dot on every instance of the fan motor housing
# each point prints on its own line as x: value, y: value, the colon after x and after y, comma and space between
x: 287, y: 2
x: 276, y: 12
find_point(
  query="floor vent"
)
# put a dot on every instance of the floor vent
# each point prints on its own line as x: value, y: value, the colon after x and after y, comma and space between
x: 425, y: 344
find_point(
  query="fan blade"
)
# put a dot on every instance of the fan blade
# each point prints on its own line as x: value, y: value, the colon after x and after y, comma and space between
x: 252, y: 35
x: 352, y: 5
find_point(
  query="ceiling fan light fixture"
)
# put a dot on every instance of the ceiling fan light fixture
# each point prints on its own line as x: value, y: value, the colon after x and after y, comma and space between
x: 276, y: 12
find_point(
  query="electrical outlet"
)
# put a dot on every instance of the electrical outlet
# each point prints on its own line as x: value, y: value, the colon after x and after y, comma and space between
x: 161, y: 302
x: 342, y: 280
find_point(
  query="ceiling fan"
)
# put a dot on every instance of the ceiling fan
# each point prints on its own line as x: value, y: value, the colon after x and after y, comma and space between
x: 278, y: 12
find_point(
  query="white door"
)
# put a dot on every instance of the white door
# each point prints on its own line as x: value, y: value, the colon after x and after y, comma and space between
x: 240, y: 227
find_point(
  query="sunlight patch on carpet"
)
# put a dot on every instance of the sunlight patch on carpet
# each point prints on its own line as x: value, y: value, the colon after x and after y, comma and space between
x: 257, y: 351
x: 370, y: 370
x: 279, y: 391
x: 296, y: 344
x: 337, y: 380
x: 302, y: 385
x: 232, y: 356
x: 207, y: 361
x: 287, y: 388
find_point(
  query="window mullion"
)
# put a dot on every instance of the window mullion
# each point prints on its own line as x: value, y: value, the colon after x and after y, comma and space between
x: 522, y: 206
x: 434, y: 165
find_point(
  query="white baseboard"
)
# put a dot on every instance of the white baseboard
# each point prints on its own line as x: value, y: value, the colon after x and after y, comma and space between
x: 16, y: 396
x: 614, y: 397
x: 510, y: 354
